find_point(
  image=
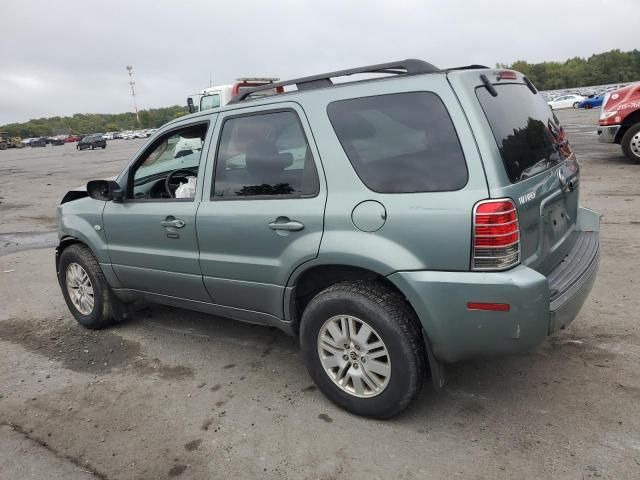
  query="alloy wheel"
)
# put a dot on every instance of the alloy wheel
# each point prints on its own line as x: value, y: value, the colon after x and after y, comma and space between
x: 80, y: 288
x: 354, y: 356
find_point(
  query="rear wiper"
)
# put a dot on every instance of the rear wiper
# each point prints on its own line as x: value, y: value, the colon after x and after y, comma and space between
x: 488, y: 86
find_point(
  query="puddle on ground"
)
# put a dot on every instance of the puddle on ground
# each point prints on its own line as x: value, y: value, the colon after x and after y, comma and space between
x: 87, y: 351
x: 17, y: 242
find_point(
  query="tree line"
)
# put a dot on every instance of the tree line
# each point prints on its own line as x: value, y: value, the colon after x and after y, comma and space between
x: 599, y: 69
x: 85, y: 123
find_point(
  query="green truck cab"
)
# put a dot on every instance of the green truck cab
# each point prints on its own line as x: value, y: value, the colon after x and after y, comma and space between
x: 393, y: 224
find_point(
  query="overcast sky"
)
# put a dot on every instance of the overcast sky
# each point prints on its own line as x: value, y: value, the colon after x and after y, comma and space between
x: 60, y: 58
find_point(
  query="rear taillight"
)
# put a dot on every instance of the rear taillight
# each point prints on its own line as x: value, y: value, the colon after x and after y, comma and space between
x: 496, y: 235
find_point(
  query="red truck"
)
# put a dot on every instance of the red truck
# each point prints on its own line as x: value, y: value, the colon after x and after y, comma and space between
x: 620, y: 120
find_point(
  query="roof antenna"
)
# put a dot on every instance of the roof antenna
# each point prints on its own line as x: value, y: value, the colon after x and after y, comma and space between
x: 210, y: 79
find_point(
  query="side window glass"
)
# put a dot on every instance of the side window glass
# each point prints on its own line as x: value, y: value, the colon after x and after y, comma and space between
x: 169, y: 167
x: 400, y: 143
x: 264, y: 155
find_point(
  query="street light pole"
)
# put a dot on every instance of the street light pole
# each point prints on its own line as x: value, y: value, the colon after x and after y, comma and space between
x: 133, y: 91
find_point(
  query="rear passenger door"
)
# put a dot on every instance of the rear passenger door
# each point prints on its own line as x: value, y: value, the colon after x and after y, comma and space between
x: 262, y: 215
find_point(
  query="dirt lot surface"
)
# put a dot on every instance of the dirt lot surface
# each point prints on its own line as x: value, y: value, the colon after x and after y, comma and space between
x: 177, y: 394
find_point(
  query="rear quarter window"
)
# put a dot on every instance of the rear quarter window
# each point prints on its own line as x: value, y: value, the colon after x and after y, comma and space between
x: 400, y: 143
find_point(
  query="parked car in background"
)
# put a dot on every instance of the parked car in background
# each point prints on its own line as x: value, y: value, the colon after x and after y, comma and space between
x: 565, y: 101
x: 620, y: 120
x: 108, y: 136
x: 442, y: 224
x: 57, y: 141
x: 72, y: 139
x: 38, y: 142
x: 591, y: 102
x: 128, y: 135
x: 92, y: 142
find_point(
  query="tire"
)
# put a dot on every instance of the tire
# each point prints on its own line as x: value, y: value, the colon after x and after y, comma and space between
x: 101, y: 314
x: 104, y: 147
x: 392, y: 321
x: 588, y: 106
x: 631, y: 143
x: 576, y: 104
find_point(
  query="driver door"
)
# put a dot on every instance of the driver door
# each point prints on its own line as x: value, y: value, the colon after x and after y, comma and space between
x: 151, y: 234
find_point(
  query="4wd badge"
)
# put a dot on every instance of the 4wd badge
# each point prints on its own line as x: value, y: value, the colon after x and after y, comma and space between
x: 526, y: 197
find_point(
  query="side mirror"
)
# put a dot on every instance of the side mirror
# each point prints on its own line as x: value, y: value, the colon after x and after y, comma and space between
x: 190, y: 106
x: 105, y: 190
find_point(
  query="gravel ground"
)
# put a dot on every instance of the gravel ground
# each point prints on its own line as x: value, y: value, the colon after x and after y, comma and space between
x: 178, y: 394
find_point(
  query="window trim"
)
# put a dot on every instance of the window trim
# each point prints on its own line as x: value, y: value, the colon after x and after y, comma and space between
x: 254, y: 113
x: 131, y: 170
x: 455, y: 130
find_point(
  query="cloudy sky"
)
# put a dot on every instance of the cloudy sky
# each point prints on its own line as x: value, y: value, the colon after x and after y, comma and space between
x: 60, y: 58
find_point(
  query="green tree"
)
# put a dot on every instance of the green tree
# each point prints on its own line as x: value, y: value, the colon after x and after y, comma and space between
x: 599, y: 69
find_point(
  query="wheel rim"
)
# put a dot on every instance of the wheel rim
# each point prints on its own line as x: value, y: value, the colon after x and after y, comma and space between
x: 635, y: 144
x: 354, y: 356
x: 80, y: 288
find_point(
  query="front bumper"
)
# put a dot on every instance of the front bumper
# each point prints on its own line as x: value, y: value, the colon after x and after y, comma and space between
x: 608, y: 134
x: 539, y: 305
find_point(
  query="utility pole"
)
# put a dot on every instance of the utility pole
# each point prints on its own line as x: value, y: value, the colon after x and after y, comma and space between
x: 133, y: 91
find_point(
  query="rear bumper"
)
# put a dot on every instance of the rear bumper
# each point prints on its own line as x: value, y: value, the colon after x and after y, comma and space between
x: 608, y: 134
x: 539, y: 305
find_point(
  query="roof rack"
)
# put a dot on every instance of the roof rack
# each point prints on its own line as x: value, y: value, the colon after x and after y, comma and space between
x: 409, y: 66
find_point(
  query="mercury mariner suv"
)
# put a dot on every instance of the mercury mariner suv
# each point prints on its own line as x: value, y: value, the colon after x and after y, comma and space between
x: 396, y: 222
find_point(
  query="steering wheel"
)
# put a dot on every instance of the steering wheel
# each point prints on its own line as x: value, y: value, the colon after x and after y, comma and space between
x: 170, y: 186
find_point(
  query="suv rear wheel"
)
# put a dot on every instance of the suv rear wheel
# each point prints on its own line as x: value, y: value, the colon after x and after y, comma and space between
x: 631, y: 143
x: 84, y: 287
x: 362, y: 345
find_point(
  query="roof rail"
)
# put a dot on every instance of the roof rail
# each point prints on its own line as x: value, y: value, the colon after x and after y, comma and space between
x: 409, y: 66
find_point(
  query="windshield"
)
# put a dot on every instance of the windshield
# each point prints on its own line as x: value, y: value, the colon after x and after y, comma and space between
x: 209, y: 101
x: 527, y: 132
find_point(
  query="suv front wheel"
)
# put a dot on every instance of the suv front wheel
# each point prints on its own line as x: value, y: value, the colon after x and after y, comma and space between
x: 84, y: 287
x: 362, y: 345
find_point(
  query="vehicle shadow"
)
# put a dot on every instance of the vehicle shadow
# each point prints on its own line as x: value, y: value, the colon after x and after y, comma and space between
x: 473, y: 390
x: 212, y: 327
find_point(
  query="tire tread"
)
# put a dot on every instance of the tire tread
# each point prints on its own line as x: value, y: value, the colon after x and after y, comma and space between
x: 625, y: 143
x: 106, y: 316
x: 400, y: 313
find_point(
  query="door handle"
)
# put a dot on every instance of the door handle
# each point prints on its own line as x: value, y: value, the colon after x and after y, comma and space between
x: 172, y: 222
x: 283, y: 223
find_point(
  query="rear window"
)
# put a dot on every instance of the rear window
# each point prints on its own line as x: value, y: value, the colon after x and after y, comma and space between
x: 400, y: 143
x: 527, y: 132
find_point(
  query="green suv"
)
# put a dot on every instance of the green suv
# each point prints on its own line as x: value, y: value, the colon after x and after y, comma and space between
x: 394, y: 223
